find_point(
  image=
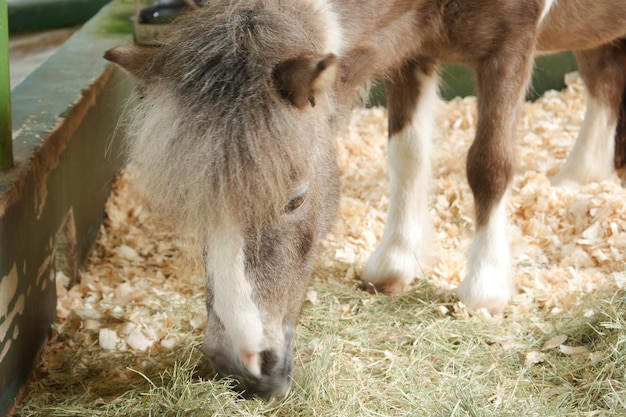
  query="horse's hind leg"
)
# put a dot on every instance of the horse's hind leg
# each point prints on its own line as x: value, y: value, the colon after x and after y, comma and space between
x: 412, y: 97
x: 601, y: 142
x: 620, y: 139
x: 619, y: 160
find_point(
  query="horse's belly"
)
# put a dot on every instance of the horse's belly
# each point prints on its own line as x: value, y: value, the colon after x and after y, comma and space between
x: 582, y: 24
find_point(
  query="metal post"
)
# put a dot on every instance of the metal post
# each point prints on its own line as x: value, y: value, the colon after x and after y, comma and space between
x: 6, y: 140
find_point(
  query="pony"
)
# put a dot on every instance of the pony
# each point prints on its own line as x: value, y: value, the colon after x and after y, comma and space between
x: 234, y: 141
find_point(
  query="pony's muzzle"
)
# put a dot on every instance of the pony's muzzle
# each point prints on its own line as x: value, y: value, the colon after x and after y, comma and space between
x: 265, y: 374
x: 274, y: 379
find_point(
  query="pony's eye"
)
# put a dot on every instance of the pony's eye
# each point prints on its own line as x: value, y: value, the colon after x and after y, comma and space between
x: 297, y: 200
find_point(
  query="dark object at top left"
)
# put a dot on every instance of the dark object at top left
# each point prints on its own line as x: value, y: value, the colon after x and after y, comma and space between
x: 163, y: 11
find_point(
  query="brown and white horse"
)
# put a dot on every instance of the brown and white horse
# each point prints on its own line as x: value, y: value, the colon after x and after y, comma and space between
x: 234, y: 140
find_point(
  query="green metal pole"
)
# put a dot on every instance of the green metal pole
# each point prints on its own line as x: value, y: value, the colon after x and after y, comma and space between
x: 6, y: 140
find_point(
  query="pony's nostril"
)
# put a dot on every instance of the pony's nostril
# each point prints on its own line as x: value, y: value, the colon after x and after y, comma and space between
x: 252, y: 362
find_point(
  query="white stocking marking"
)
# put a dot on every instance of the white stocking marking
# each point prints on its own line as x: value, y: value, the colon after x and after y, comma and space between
x: 591, y: 158
x: 489, y: 282
x: 408, y: 223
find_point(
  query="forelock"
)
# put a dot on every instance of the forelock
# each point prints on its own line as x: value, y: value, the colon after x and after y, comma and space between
x: 212, y: 136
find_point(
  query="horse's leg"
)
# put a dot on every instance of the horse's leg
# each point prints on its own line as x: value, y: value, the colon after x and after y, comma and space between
x: 620, y: 133
x: 502, y: 80
x: 601, y: 142
x: 412, y: 98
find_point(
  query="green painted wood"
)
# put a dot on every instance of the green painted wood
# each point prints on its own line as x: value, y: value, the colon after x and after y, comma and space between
x: 67, y: 151
x: 6, y: 144
x: 35, y: 15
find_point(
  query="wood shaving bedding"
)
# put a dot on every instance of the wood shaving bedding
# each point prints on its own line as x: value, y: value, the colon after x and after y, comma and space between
x: 143, y: 289
x: 564, y: 241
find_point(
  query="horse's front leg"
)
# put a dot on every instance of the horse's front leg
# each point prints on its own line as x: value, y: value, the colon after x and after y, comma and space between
x: 412, y: 98
x: 502, y: 82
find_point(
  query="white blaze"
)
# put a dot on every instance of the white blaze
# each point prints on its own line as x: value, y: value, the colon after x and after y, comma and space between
x: 233, y: 295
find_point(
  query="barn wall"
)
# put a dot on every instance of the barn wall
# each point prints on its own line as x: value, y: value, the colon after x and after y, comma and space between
x: 67, y: 151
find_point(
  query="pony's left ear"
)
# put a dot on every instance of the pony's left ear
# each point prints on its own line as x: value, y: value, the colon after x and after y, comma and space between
x: 299, y: 80
x: 135, y: 59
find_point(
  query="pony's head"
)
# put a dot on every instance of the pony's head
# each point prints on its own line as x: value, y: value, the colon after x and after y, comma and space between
x: 233, y: 140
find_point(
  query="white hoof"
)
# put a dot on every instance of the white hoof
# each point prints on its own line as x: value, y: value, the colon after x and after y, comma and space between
x: 390, y: 271
x: 492, y: 294
x: 564, y: 180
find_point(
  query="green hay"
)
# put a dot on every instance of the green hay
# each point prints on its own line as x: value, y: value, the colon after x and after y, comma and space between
x: 363, y: 355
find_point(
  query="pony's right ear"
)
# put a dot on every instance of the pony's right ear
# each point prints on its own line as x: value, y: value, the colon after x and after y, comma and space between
x: 299, y: 80
x: 133, y: 58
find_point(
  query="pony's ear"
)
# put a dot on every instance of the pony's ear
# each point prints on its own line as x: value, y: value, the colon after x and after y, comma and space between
x: 133, y: 58
x: 299, y: 80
